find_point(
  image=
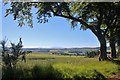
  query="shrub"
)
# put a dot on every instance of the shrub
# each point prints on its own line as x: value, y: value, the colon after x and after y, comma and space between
x: 10, y: 55
x: 92, y: 54
x: 7, y: 73
x: 22, y: 74
x: 45, y: 73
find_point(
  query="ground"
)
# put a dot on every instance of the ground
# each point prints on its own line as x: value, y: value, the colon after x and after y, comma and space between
x: 81, y: 63
x: 69, y: 66
x: 114, y: 77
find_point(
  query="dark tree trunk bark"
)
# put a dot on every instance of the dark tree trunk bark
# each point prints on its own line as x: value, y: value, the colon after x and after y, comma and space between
x: 118, y: 48
x: 103, y: 49
x: 113, y: 48
x: 102, y: 41
x: 112, y: 44
x: 118, y: 45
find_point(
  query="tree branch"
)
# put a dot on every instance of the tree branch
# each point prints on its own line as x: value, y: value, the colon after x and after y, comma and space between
x: 78, y: 20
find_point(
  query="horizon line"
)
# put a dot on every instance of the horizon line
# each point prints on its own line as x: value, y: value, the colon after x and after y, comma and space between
x: 61, y: 47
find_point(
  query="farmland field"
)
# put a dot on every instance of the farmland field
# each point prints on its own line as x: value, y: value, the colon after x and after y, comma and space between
x: 70, y: 65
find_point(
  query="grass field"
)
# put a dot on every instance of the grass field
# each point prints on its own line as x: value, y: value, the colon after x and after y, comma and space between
x: 70, y: 66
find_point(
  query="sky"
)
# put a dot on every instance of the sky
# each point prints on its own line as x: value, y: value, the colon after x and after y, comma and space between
x: 57, y: 33
x: 0, y: 19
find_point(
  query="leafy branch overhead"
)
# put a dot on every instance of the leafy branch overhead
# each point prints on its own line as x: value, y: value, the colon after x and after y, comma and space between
x: 87, y: 14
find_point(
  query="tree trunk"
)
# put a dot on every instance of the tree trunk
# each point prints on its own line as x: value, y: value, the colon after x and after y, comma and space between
x: 112, y: 44
x: 119, y: 49
x: 103, y: 49
x: 113, y: 48
x: 102, y: 41
x: 118, y: 45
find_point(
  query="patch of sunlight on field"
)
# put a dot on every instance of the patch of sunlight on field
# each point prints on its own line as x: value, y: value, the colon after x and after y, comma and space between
x: 47, y: 58
x: 105, y: 67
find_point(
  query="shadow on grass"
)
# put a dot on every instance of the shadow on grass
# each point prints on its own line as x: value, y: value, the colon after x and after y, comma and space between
x: 46, y: 73
x: 41, y: 58
x: 116, y: 62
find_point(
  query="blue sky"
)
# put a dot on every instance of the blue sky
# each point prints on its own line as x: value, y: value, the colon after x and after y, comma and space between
x: 56, y: 33
x: 0, y: 19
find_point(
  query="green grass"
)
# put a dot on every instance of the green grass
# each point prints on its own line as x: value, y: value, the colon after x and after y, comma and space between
x: 106, y: 68
x: 60, y: 67
x: 70, y: 66
x: 48, y: 59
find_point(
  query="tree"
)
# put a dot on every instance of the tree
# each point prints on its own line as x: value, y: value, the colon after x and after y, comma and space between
x: 4, y: 49
x: 16, y: 50
x: 118, y: 44
x: 10, y: 58
x: 10, y: 55
x: 87, y: 15
x: 5, y: 55
x: 117, y: 38
x: 112, y: 17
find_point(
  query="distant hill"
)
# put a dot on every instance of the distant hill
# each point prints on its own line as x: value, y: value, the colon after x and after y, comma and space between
x: 84, y: 49
x: 63, y: 49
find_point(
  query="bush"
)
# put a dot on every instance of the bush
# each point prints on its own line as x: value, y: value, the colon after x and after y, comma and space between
x: 22, y: 74
x: 45, y: 73
x: 16, y: 74
x: 7, y: 73
x: 92, y: 54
